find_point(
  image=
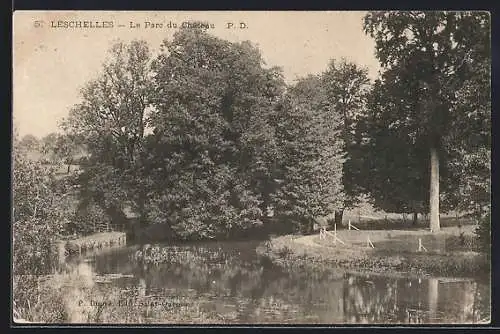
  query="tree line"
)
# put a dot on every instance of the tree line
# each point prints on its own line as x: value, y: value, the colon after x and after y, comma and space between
x: 209, y: 140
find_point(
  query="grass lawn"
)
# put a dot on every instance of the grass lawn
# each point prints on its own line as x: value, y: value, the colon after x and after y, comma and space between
x: 450, y: 252
x: 407, y: 241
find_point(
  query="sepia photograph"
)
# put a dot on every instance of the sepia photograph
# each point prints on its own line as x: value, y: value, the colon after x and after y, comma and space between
x: 251, y: 168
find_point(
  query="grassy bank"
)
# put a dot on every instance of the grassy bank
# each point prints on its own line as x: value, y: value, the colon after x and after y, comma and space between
x: 450, y: 252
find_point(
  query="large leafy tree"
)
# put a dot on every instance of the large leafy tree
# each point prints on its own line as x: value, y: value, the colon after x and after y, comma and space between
x: 311, y: 155
x: 48, y: 145
x: 110, y: 121
x: 470, y: 150
x: 391, y: 167
x: 61, y: 148
x: 346, y: 86
x: 29, y: 143
x: 211, y: 154
x: 428, y: 59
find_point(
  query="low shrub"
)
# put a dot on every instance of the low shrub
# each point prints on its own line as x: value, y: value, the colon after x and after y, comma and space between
x: 483, y: 233
x: 462, y: 242
x: 284, y: 252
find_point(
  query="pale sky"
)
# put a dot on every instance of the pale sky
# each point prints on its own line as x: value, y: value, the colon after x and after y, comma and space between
x: 52, y: 64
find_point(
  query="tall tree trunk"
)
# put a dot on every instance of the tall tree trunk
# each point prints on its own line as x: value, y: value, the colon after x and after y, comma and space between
x: 143, y: 217
x: 337, y: 218
x: 415, y: 218
x: 264, y: 205
x: 339, y: 215
x: 310, y: 226
x: 434, y: 191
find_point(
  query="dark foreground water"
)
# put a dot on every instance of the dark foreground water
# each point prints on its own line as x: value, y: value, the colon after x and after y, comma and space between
x: 230, y: 282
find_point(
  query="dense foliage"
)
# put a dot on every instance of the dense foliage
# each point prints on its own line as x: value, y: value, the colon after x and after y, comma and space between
x: 483, y: 233
x: 110, y: 122
x: 347, y: 87
x: 200, y: 139
x: 310, y: 155
x: 433, y: 96
x: 207, y: 140
x: 40, y: 213
x: 212, y: 151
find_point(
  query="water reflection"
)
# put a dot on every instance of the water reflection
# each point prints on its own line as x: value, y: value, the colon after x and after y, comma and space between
x: 231, y: 282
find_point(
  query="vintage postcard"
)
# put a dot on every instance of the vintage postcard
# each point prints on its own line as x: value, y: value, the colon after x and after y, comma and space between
x: 264, y: 167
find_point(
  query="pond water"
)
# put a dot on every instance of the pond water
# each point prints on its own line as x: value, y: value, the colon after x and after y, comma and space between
x: 230, y: 283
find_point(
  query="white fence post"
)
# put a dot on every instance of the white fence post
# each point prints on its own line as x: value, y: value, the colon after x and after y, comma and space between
x: 420, y: 246
x: 323, y: 233
x: 369, y: 243
x: 335, y: 234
